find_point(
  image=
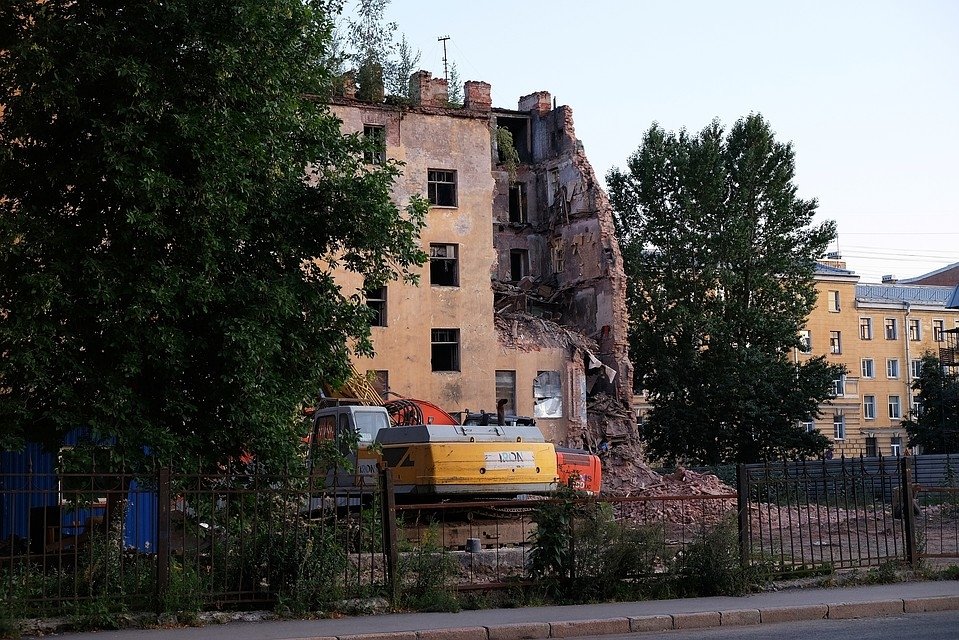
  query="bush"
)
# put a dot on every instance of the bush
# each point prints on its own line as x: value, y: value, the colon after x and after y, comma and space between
x: 425, y: 577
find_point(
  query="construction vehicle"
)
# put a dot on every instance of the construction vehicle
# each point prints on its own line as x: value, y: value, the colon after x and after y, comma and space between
x: 433, y: 456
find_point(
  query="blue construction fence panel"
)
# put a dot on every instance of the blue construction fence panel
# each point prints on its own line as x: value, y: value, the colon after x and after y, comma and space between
x: 31, y: 504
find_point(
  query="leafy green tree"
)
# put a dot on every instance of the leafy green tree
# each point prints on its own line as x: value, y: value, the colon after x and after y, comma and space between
x: 936, y: 428
x: 401, y: 68
x: 720, y: 253
x: 172, y: 207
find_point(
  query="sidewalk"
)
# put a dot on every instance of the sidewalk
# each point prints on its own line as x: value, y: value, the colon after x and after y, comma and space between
x: 581, y: 620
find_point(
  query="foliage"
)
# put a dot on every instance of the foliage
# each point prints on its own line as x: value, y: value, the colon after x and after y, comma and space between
x: 399, y: 70
x: 581, y: 553
x: 509, y: 156
x: 382, y: 62
x: 425, y: 577
x: 711, y: 566
x: 720, y: 253
x: 172, y: 208
x: 936, y: 428
x: 454, y: 96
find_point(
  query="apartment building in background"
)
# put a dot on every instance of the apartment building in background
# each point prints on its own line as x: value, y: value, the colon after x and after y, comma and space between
x: 523, y: 298
x: 880, y: 332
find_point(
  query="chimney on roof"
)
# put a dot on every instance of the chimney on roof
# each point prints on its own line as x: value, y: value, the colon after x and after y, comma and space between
x: 889, y: 279
x: 427, y: 91
x: 477, y: 96
x: 834, y: 255
x: 541, y: 102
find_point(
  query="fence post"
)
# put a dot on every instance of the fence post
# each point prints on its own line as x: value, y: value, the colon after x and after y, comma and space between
x: 390, y: 548
x: 163, y: 537
x: 742, y: 511
x: 908, y: 515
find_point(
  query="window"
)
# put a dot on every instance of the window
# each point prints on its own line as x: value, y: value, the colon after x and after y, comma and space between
x: 444, y: 265
x: 805, y: 341
x: 915, y: 368
x: 894, y: 409
x: 376, y: 300
x: 865, y: 328
x: 517, y: 203
x: 833, y: 301
x: 506, y: 389
x: 441, y: 187
x: 518, y: 264
x: 445, y: 349
x: 938, y: 326
x: 916, y: 407
x: 872, y: 447
x: 838, y: 427
x: 869, y: 407
x: 375, y: 135
x: 892, y: 368
x: 808, y: 426
x: 835, y: 342
x: 892, y: 329
x: 868, y: 369
x: 895, y: 445
x: 380, y: 381
x: 915, y: 330
x: 839, y: 386
x: 547, y: 395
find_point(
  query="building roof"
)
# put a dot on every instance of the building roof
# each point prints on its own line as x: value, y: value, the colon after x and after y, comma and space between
x: 953, y: 302
x: 915, y: 294
x: 823, y: 269
x: 946, y: 276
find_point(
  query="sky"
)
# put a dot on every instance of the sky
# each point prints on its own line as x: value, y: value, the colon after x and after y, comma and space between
x: 866, y: 92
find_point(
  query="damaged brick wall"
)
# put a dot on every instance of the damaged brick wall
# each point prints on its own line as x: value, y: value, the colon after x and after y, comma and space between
x: 575, y: 275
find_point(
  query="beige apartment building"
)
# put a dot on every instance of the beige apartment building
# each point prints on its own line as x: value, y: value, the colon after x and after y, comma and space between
x: 523, y: 298
x: 880, y: 332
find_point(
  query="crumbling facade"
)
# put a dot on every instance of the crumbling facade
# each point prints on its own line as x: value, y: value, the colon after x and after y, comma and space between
x: 523, y: 298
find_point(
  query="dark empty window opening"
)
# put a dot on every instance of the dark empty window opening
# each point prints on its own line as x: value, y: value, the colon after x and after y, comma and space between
x: 518, y: 264
x: 441, y: 186
x: 444, y: 267
x: 517, y: 203
x: 380, y: 381
x: 375, y: 135
x: 376, y: 301
x: 445, y: 344
x: 519, y: 129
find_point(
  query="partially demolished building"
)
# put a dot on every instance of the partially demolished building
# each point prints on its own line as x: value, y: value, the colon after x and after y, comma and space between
x: 523, y: 298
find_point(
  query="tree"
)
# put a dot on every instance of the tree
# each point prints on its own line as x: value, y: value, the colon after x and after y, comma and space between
x: 172, y: 207
x: 936, y: 427
x: 720, y: 255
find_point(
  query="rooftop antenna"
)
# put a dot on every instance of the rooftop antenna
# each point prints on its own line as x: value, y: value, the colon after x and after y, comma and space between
x: 446, y: 74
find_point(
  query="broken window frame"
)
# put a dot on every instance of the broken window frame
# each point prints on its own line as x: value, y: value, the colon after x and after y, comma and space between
x: 377, y: 301
x: 444, y: 350
x: 375, y: 133
x: 548, y: 395
x: 444, y: 264
x: 518, y: 204
x: 441, y: 187
x: 506, y: 388
x: 518, y: 264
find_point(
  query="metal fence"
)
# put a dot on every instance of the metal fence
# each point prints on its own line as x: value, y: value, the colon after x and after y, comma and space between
x: 849, y: 512
x: 84, y: 542
x: 169, y: 541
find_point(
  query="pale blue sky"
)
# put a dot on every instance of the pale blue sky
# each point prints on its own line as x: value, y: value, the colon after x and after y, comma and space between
x: 868, y: 92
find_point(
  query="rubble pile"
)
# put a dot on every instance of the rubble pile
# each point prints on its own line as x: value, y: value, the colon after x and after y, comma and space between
x: 526, y: 332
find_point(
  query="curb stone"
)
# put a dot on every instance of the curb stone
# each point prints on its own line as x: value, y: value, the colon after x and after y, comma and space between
x: 519, y: 631
x: 847, y: 610
x: 578, y: 628
x: 640, y: 624
x: 739, y: 617
x: 699, y: 620
x: 932, y: 603
x: 793, y: 614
